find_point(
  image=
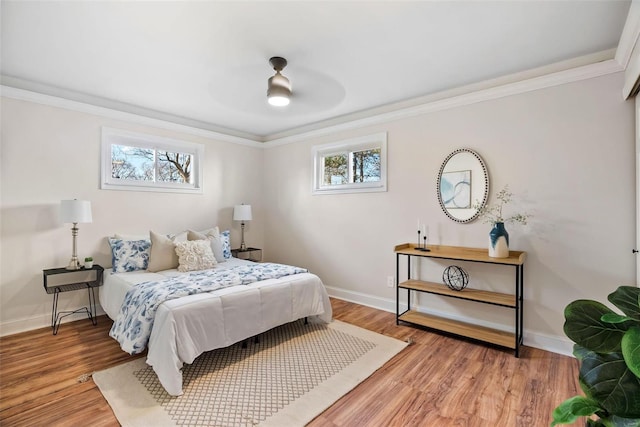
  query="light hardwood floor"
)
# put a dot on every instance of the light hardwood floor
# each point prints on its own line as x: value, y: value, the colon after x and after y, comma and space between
x: 437, y: 381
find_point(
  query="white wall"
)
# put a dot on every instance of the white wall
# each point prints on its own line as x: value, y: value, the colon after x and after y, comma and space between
x: 567, y: 152
x: 49, y: 154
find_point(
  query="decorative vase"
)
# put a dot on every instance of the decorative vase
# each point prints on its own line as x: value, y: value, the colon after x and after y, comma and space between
x: 88, y: 264
x: 498, y: 241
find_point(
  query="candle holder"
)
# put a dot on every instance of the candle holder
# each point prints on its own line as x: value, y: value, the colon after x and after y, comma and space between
x: 419, y: 247
x: 424, y: 248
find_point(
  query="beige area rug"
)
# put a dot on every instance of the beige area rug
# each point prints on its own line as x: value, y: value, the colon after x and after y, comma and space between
x: 290, y: 376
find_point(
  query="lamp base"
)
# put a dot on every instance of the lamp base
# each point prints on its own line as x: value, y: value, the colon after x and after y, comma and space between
x: 243, y: 246
x: 74, y: 264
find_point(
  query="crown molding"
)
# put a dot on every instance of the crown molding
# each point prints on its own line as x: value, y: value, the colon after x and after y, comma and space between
x: 626, y: 54
x: 574, y: 70
x: 629, y: 36
x: 117, y: 114
x: 457, y: 98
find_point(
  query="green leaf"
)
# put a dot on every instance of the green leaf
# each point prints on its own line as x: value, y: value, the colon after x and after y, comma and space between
x: 580, y: 352
x: 569, y: 410
x: 624, y: 422
x: 631, y: 349
x: 615, y: 318
x: 614, y: 421
x: 627, y: 299
x: 584, y: 326
x: 606, y: 379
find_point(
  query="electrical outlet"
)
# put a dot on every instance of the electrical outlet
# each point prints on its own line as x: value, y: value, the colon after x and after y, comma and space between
x: 390, y: 281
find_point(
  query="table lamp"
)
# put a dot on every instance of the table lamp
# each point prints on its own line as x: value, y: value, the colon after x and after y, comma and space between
x: 242, y: 213
x: 73, y: 212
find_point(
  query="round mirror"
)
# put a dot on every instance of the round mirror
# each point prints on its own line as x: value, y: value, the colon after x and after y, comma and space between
x: 463, y: 185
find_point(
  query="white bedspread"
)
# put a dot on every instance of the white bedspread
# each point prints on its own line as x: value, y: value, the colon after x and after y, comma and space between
x: 186, y: 327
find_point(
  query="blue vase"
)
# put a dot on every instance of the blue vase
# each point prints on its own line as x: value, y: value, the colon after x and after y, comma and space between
x: 498, y: 241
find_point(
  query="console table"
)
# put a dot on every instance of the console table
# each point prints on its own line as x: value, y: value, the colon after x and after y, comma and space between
x: 512, y: 340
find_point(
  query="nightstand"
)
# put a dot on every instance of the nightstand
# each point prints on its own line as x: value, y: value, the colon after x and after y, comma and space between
x: 250, y: 254
x: 57, y: 280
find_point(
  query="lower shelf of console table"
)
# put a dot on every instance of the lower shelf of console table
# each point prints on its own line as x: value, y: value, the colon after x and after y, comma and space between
x: 511, y: 301
x: 493, y: 336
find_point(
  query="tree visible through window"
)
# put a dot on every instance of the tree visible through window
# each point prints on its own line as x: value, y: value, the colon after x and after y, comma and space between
x: 174, y: 167
x: 336, y: 169
x: 145, y: 164
x: 366, y: 165
x: 131, y: 163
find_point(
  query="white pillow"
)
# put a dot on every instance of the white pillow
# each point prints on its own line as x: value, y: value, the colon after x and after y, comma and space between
x: 180, y: 237
x: 213, y: 235
x: 195, y: 255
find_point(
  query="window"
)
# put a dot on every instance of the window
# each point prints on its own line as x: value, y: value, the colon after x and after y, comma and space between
x: 351, y: 166
x: 132, y: 161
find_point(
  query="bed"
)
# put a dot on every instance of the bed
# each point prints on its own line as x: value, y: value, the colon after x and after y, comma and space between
x: 186, y: 327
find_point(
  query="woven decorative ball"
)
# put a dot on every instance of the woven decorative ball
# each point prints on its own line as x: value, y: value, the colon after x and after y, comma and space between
x: 455, y: 278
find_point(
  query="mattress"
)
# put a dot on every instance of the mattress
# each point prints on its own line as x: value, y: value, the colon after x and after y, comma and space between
x: 186, y: 327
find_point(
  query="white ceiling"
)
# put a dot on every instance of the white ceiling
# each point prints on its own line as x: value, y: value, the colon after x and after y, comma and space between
x: 206, y: 63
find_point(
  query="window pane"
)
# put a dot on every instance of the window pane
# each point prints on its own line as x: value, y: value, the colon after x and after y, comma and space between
x: 131, y: 163
x: 174, y: 167
x: 366, y: 165
x: 336, y: 169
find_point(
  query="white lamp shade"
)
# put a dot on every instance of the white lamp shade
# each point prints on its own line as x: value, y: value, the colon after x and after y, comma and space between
x: 242, y: 213
x: 72, y: 211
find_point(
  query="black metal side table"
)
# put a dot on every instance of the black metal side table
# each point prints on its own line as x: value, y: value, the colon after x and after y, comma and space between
x: 250, y: 254
x: 57, y: 280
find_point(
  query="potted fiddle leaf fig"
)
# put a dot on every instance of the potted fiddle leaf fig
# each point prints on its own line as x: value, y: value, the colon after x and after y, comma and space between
x: 607, y: 345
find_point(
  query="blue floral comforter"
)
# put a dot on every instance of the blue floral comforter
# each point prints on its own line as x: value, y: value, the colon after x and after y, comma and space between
x: 133, y: 325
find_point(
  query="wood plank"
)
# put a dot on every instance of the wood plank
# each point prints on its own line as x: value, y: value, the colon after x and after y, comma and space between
x: 506, y: 300
x: 436, y: 381
x: 461, y: 253
x: 494, y: 336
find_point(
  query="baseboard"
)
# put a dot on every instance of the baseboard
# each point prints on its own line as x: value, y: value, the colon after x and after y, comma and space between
x: 384, y: 304
x: 554, y: 344
x: 38, y: 322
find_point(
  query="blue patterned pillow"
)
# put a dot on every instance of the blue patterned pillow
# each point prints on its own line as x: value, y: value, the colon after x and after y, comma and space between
x: 226, y: 244
x: 129, y: 255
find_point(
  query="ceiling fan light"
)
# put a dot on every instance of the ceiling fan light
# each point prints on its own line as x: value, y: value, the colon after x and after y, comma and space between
x: 279, y: 90
x: 279, y: 87
x: 278, y: 101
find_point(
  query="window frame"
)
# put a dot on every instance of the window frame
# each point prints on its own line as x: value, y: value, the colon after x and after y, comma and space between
x: 112, y: 137
x: 362, y: 143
